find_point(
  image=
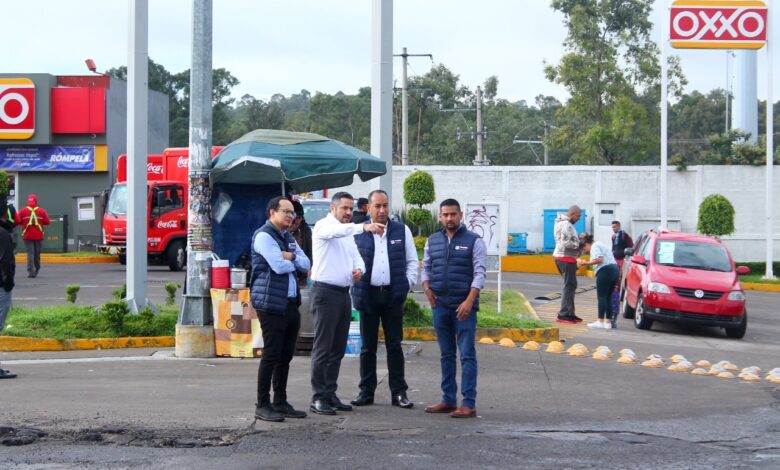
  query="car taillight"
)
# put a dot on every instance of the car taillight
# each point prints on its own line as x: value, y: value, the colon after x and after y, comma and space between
x: 737, y: 295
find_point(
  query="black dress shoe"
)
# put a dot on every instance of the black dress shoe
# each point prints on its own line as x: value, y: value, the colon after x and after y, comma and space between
x: 339, y: 405
x: 266, y: 413
x: 321, y: 408
x: 363, y: 400
x: 402, y: 401
x: 287, y: 410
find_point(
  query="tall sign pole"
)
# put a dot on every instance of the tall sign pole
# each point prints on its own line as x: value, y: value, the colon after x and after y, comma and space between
x: 194, y: 331
x: 770, y: 164
x: 733, y: 24
x: 382, y: 88
x: 664, y: 124
x: 137, y: 148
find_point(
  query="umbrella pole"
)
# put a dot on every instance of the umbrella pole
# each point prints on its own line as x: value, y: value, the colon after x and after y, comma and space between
x: 283, y: 188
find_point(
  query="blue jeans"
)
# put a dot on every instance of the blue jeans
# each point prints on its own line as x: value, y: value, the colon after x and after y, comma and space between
x: 453, y: 335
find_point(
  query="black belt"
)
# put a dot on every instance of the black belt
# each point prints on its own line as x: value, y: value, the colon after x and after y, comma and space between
x: 325, y: 285
x: 381, y: 288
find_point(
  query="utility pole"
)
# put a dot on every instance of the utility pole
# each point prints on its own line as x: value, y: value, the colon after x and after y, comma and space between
x: 382, y: 89
x: 137, y: 149
x: 480, y: 157
x: 405, y: 103
x: 194, y: 333
x: 544, y: 142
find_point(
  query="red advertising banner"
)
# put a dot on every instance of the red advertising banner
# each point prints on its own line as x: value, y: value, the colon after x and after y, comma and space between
x: 17, y: 108
x: 718, y: 24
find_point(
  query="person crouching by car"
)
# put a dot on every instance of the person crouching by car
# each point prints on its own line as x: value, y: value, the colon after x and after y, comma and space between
x: 606, y: 268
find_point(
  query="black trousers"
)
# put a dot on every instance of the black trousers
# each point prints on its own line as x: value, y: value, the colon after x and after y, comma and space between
x: 332, y: 310
x: 382, y: 309
x: 606, y: 278
x: 280, y: 332
x: 569, y: 273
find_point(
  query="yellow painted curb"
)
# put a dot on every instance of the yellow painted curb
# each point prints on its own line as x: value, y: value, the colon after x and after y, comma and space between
x: 540, y: 335
x: 761, y: 287
x: 55, y: 259
x: 539, y: 264
x: 19, y: 344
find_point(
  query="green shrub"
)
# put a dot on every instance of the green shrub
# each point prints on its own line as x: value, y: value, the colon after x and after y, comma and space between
x: 120, y: 293
x: 759, y: 267
x: 170, y: 292
x: 419, y: 243
x: 3, y: 182
x: 114, y: 314
x: 716, y: 216
x: 415, y: 314
x: 71, y: 292
x: 419, y: 189
x: 418, y: 217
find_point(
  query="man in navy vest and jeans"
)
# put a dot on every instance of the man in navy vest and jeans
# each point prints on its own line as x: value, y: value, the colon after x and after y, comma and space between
x: 391, y: 270
x: 453, y: 275
x: 276, y: 259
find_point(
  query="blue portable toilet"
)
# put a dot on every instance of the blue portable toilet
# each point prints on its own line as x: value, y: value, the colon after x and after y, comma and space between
x: 549, y: 226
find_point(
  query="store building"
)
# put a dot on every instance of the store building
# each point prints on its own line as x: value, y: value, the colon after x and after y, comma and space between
x: 60, y: 137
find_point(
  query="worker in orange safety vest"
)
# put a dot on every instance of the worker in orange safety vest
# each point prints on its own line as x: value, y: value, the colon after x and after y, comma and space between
x: 32, y: 219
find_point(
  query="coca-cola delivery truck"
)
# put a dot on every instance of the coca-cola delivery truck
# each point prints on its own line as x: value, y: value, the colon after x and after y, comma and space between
x: 166, y: 208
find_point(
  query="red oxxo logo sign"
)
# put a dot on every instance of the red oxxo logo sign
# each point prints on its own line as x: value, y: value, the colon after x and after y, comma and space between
x: 718, y: 24
x: 17, y: 108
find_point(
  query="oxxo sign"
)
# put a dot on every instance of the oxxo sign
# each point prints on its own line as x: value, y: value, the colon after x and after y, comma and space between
x: 17, y: 108
x: 718, y: 24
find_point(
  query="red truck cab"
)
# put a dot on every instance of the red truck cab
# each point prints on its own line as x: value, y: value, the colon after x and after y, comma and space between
x: 166, y: 208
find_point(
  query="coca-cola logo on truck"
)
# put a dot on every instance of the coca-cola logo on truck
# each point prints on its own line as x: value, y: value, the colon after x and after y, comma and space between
x: 182, y: 162
x: 154, y: 169
x: 168, y: 224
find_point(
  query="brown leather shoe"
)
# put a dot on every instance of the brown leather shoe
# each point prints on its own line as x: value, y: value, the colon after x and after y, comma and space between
x: 440, y: 408
x: 464, y: 412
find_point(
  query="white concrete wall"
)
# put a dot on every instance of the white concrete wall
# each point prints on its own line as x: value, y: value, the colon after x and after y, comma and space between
x: 529, y: 190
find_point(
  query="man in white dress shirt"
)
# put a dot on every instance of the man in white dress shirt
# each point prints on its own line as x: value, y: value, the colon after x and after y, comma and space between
x: 337, y: 264
x: 391, y: 270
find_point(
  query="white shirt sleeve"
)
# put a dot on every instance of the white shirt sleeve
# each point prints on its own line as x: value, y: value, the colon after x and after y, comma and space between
x: 412, y: 262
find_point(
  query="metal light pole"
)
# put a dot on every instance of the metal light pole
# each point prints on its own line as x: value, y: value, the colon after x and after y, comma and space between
x: 405, y: 103
x: 194, y: 333
x: 382, y: 88
x: 137, y: 147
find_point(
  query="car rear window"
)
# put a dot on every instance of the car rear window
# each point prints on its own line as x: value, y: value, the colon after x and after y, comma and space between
x: 693, y: 255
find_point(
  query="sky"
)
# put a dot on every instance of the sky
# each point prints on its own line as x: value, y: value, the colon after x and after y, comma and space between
x: 284, y: 46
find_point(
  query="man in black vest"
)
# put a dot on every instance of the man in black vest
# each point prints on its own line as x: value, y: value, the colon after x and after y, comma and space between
x: 391, y: 270
x: 276, y: 296
x: 7, y: 271
x: 453, y: 274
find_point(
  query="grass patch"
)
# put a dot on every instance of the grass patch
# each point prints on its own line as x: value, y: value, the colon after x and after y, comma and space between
x: 514, y: 314
x: 75, y: 322
x: 757, y: 279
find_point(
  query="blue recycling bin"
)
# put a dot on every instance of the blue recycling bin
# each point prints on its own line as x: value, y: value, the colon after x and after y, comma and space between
x: 517, y: 242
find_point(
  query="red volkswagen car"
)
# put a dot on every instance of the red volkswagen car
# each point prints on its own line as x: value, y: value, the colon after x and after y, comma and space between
x: 685, y: 278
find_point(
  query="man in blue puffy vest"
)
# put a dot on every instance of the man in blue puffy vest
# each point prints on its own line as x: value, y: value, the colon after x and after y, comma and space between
x: 453, y: 275
x: 391, y: 270
x: 276, y: 259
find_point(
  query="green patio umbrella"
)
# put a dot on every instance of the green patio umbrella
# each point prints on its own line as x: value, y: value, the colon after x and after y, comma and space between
x: 302, y: 161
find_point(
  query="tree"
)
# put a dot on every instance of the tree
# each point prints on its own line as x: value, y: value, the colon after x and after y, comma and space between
x: 418, y: 191
x: 716, y: 216
x: 612, y: 74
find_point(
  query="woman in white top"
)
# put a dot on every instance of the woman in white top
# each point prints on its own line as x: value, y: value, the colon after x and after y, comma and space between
x: 606, y: 277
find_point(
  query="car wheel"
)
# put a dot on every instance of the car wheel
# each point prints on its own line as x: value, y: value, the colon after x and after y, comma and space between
x: 640, y: 319
x: 628, y: 312
x: 177, y: 255
x: 123, y: 259
x: 739, y: 331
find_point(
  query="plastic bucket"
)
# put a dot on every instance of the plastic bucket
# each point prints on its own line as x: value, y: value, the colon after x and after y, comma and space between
x: 238, y: 278
x: 354, y: 341
x: 220, y: 274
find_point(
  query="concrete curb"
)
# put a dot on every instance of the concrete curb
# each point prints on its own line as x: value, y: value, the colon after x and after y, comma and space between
x: 20, y: 344
x: 540, y: 335
x: 761, y: 287
x: 21, y: 258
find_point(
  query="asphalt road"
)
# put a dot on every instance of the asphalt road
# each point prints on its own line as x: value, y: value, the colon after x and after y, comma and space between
x: 134, y: 408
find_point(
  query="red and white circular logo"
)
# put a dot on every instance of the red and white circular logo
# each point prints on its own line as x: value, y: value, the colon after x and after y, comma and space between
x: 17, y: 108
